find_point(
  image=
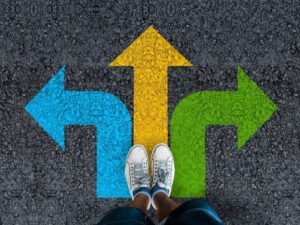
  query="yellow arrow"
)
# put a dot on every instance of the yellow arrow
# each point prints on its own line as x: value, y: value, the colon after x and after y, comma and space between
x: 150, y: 55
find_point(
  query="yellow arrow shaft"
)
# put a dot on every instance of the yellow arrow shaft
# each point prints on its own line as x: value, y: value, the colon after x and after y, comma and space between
x: 150, y: 55
x: 150, y: 106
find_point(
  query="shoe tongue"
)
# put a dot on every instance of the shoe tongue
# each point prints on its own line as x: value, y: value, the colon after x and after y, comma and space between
x: 138, y: 170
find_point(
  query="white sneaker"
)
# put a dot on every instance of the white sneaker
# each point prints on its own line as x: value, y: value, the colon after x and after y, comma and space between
x: 163, y: 170
x: 137, y: 171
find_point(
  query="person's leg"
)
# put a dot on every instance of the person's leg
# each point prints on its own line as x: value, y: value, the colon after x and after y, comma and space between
x: 141, y: 202
x: 164, y: 205
x: 163, y: 172
x: 189, y: 213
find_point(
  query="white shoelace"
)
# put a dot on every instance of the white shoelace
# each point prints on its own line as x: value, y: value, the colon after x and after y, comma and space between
x: 138, y: 176
x: 162, y: 171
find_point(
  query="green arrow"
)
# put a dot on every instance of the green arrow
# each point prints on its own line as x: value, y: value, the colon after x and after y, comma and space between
x: 248, y: 108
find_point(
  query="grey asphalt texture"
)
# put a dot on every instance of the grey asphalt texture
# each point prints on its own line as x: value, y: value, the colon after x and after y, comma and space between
x: 40, y: 184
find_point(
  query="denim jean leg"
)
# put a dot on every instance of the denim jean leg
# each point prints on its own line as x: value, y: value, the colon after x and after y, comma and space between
x: 125, y: 216
x: 194, y: 212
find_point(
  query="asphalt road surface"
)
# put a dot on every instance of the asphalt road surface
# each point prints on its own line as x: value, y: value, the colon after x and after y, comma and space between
x: 40, y: 184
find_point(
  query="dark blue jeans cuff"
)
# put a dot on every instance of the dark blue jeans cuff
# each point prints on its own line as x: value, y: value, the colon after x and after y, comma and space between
x: 125, y: 216
x: 194, y: 212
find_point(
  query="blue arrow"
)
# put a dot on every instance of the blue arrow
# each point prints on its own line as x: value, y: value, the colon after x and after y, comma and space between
x: 54, y: 108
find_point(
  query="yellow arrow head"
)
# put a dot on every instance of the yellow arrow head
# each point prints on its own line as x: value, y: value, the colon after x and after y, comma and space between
x: 150, y: 50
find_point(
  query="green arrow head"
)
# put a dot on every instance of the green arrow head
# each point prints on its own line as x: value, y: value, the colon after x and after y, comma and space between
x: 257, y: 107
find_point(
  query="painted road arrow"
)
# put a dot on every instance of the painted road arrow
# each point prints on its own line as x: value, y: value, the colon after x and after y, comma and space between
x: 54, y: 108
x: 248, y: 108
x: 150, y: 55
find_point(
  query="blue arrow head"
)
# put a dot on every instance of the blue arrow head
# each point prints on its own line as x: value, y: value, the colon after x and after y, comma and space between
x: 46, y: 107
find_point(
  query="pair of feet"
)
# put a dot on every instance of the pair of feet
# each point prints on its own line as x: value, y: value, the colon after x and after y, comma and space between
x: 162, y: 171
